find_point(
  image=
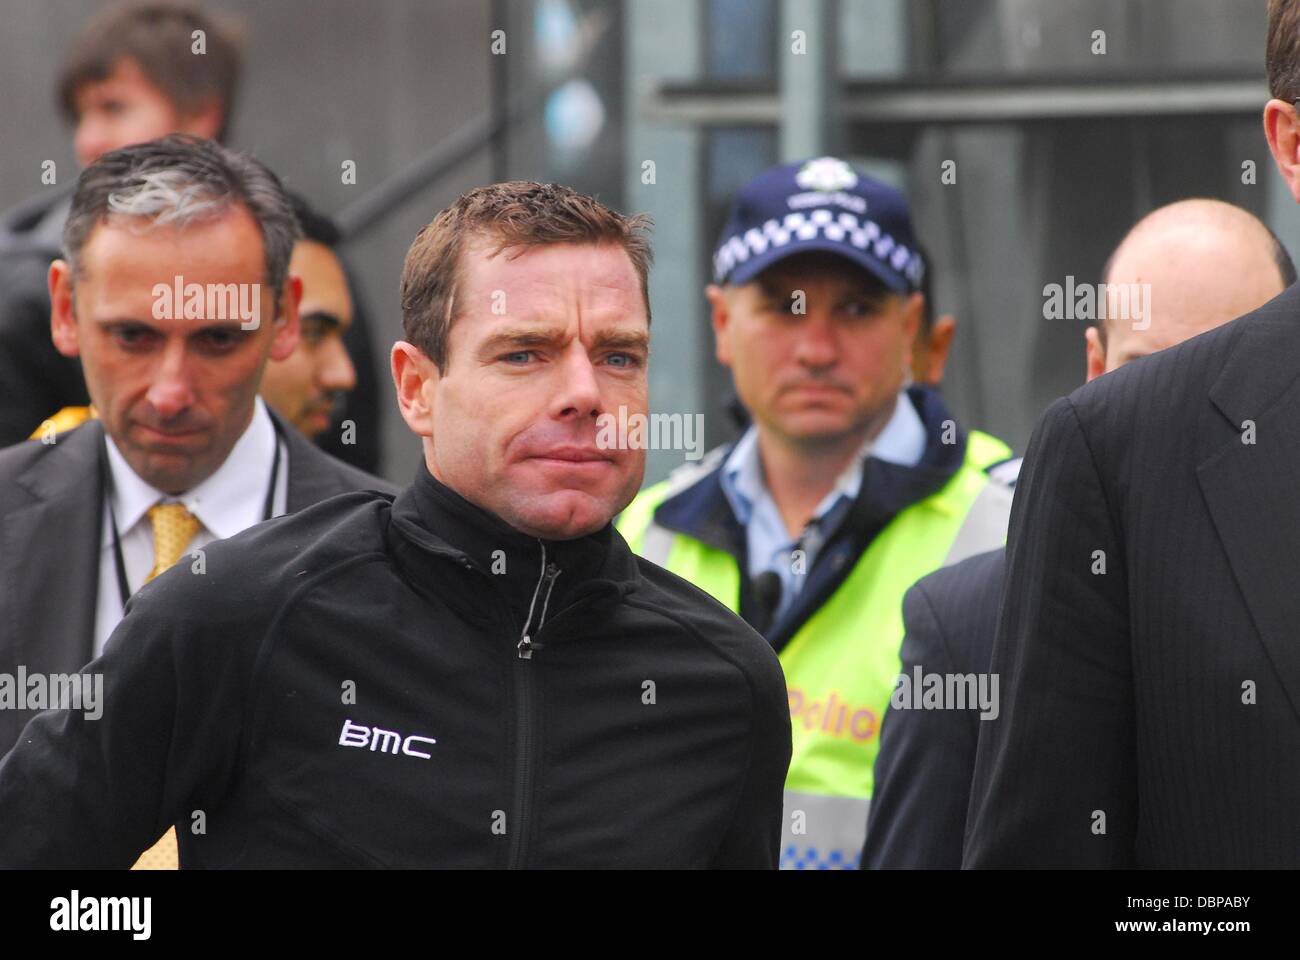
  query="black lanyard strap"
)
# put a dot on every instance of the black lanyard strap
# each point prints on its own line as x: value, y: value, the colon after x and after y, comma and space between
x: 119, y: 562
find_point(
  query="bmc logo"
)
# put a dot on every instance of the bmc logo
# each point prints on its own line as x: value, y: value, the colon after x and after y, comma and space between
x: 385, y: 741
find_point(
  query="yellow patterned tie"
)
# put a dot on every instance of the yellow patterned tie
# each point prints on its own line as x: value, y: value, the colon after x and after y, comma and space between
x: 173, y: 529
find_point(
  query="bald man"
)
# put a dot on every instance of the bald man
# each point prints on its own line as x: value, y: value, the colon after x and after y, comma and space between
x: 1207, y: 262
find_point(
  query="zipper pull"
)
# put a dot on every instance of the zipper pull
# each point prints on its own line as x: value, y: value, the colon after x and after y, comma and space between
x: 526, y: 645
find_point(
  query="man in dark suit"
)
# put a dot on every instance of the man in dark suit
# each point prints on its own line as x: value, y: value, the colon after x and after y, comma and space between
x: 184, y: 451
x: 54, y: 495
x: 1147, y: 633
x: 1207, y: 262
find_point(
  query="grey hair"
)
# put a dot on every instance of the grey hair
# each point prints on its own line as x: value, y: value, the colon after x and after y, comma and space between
x: 178, y: 180
x: 167, y: 196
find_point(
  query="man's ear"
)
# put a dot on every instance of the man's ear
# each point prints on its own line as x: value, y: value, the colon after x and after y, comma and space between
x: 1096, y: 354
x: 63, y: 318
x: 204, y: 121
x: 412, y: 370
x: 286, y: 319
x: 719, y: 317
x: 913, y: 304
x: 940, y: 343
x: 1282, y: 130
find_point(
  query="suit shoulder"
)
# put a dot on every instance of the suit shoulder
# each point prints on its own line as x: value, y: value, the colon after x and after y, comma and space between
x: 70, y: 454
x: 962, y: 585
x: 962, y: 601
x: 15, y: 459
x: 343, y: 476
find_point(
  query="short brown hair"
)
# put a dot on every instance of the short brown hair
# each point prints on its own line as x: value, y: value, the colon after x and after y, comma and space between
x: 1282, y: 54
x: 157, y: 34
x: 518, y: 214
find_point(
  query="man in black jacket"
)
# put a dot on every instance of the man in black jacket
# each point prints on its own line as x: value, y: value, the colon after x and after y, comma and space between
x: 478, y: 673
x: 1206, y: 262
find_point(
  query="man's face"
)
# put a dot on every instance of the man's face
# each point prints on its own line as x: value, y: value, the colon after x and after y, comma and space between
x: 305, y: 386
x: 543, y: 342
x: 174, y: 393
x: 126, y: 108
x: 826, y: 374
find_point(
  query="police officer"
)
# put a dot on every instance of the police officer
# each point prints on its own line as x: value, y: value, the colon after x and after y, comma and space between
x: 850, y: 484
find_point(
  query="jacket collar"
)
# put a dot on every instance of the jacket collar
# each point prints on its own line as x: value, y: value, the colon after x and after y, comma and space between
x: 1260, y: 365
x: 441, y: 532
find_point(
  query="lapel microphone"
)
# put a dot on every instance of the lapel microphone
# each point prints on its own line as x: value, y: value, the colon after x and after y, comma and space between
x: 767, y: 591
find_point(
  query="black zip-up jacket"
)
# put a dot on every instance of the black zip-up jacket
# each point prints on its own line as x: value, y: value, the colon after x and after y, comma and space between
x: 413, y: 683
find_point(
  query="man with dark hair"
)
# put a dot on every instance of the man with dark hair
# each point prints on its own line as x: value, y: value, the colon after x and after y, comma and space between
x: 1146, y: 641
x: 132, y: 75
x: 477, y: 673
x: 1206, y: 262
x: 175, y: 294
x: 307, y: 386
x: 144, y: 68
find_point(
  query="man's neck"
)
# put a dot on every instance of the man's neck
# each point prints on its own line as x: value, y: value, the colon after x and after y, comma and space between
x: 799, y: 475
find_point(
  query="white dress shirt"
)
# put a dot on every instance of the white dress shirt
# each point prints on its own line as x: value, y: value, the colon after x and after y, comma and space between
x: 229, y: 501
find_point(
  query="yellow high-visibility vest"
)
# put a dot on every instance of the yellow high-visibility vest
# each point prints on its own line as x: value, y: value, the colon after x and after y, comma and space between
x: 842, y: 663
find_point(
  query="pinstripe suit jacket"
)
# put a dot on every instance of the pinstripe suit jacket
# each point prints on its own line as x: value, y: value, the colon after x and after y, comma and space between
x: 1149, y: 637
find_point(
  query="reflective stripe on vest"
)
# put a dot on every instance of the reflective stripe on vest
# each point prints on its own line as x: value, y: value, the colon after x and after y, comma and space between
x: 842, y: 664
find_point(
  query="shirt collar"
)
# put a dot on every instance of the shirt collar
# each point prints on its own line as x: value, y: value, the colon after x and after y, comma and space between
x: 229, y: 501
x: 132, y: 497
x: 742, y: 476
x: 902, y: 441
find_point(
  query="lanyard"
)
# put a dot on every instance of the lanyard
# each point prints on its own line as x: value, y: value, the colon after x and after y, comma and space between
x: 119, y: 563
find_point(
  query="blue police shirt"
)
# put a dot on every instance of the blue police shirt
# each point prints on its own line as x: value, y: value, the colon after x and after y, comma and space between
x: 771, y: 548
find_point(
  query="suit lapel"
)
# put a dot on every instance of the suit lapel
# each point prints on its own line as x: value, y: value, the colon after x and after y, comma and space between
x: 51, y: 550
x: 1252, y: 490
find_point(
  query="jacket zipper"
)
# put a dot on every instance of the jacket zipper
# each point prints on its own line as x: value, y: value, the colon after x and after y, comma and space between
x: 524, y: 719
